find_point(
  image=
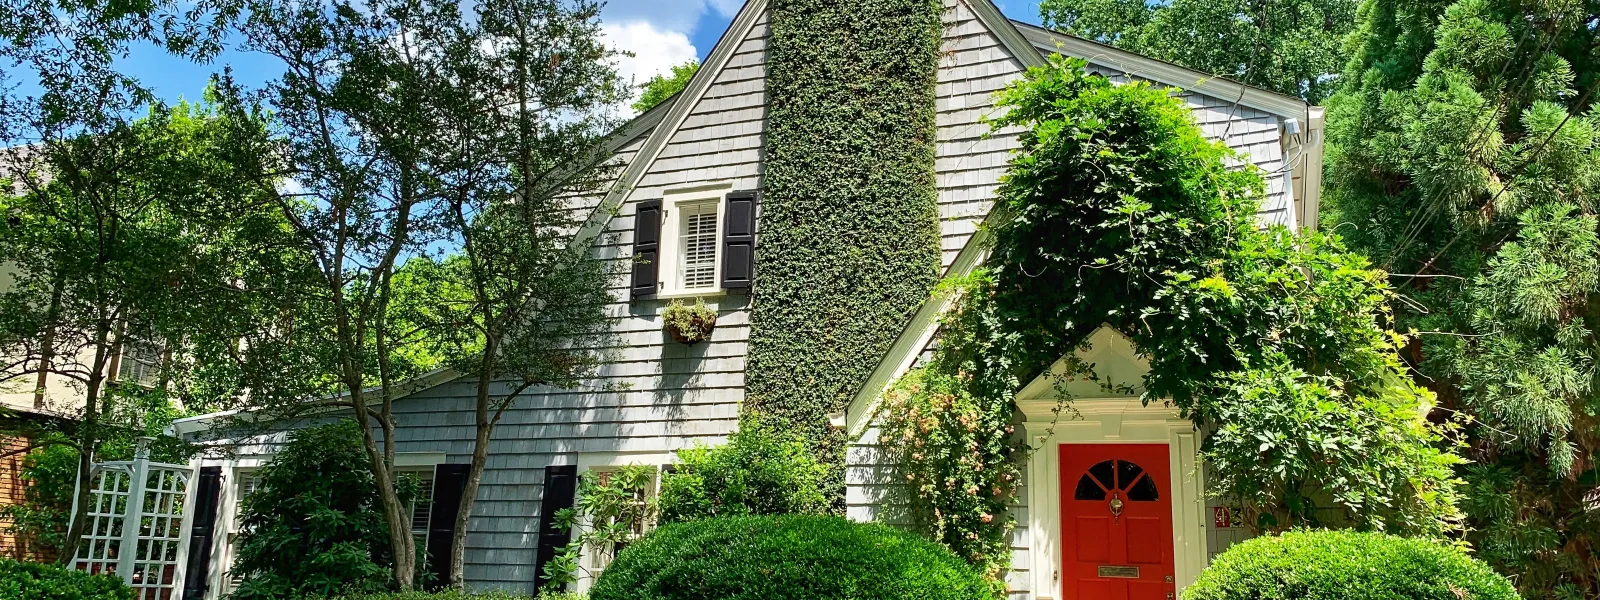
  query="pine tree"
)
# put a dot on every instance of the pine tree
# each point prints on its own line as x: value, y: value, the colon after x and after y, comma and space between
x: 1462, y: 157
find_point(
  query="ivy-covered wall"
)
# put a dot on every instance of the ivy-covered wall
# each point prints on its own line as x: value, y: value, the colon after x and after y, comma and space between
x: 849, y: 233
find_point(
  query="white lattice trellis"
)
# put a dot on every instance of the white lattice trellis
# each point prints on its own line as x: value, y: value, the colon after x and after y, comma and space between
x: 143, y: 507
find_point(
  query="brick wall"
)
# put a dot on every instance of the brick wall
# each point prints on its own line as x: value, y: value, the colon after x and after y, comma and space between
x: 11, y: 488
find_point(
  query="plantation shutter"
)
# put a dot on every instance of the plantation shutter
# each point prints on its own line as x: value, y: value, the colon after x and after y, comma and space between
x: 560, y: 490
x: 197, y: 576
x: 646, y: 248
x: 449, y: 485
x: 739, y: 241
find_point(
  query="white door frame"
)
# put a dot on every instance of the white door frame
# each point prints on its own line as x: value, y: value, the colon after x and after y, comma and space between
x: 1114, y: 420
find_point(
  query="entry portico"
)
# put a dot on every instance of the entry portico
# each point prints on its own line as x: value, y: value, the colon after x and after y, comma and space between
x: 1071, y: 526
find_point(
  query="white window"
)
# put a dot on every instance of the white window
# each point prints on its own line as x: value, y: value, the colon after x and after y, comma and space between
x: 592, y: 561
x: 691, y: 243
x: 421, y: 506
x: 140, y: 363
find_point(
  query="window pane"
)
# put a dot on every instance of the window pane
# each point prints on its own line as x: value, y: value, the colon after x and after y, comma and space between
x: 698, y: 245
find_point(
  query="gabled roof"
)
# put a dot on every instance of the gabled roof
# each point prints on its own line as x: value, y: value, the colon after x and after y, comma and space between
x: 1028, y: 43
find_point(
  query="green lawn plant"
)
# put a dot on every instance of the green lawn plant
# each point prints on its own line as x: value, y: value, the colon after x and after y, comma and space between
x: 312, y: 527
x: 793, y: 557
x: 760, y: 470
x: 33, y: 581
x: 1347, y: 565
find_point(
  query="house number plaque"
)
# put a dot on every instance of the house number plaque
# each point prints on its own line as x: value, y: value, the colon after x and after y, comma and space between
x: 1116, y: 572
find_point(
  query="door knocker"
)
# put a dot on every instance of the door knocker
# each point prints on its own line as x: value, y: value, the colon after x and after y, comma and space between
x: 1116, y: 506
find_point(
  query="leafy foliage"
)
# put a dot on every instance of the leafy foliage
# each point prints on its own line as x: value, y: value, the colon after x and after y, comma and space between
x: 759, y: 471
x: 789, y: 557
x: 438, y: 230
x: 312, y: 527
x: 1462, y: 156
x: 613, y: 508
x: 1295, y: 47
x: 32, y: 581
x: 954, y: 443
x: 689, y: 324
x: 1273, y: 341
x: 1345, y: 565
x: 849, y: 156
x: 49, y: 474
x: 664, y: 86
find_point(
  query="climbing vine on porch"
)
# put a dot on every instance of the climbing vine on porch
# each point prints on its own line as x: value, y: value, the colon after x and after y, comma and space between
x: 1276, y: 344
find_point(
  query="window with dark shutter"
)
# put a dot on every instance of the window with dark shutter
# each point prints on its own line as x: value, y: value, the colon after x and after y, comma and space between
x: 449, y: 485
x: 739, y: 241
x: 203, y: 533
x: 646, y: 248
x: 560, y: 490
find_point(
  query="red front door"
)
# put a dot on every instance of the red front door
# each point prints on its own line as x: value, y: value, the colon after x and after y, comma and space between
x: 1116, y: 522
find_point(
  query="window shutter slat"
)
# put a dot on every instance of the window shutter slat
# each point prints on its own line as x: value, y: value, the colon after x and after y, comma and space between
x: 203, y: 533
x: 560, y: 491
x: 739, y: 241
x: 449, y: 485
x: 646, y: 248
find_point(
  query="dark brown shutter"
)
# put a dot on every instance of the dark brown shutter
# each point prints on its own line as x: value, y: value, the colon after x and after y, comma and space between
x: 197, y: 577
x: 560, y: 490
x: 646, y: 248
x: 739, y: 241
x: 449, y: 485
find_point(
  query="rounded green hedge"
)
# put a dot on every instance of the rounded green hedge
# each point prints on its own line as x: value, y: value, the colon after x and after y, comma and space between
x: 1347, y: 565
x: 787, y: 557
x: 32, y: 581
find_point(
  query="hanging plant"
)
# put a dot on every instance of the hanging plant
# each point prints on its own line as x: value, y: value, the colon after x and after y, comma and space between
x: 689, y: 325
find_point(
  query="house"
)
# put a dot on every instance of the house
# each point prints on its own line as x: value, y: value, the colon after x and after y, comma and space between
x: 700, y: 156
x: 36, y: 404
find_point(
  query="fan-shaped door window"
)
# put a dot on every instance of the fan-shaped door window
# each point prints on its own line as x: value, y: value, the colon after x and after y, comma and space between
x: 1108, y: 477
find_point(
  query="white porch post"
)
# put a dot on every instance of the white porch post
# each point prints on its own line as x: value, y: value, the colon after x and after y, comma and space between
x: 128, y: 550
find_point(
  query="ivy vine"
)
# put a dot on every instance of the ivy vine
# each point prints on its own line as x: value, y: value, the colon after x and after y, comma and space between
x: 849, y: 217
x: 1276, y: 343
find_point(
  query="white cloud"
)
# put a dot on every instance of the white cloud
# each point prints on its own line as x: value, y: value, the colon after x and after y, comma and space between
x: 667, y: 15
x: 655, y: 50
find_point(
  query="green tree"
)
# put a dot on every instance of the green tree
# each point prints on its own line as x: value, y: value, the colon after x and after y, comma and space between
x: 1462, y: 157
x: 438, y: 150
x: 131, y: 244
x: 664, y: 86
x: 1290, y: 46
x: 313, y: 526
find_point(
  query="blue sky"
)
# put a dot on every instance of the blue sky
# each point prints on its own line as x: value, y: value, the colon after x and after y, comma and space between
x: 661, y: 33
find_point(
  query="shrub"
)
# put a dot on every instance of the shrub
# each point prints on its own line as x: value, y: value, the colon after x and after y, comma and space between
x: 797, y: 557
x: 314, y: 527
x: 454, y: 595
x: 760, y: 471
x: 32, y: 581
x: 1346, y: 565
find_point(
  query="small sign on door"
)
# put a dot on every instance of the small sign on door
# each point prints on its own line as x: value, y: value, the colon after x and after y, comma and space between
x: 1221, y: 518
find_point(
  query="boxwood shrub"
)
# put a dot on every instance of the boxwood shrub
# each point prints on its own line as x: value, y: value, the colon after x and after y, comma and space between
x: 1346, y: 565
x: 791, y: 557
x: 32, y: 581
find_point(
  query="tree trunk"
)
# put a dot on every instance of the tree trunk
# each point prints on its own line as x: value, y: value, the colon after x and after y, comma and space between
x: 88, y: 443
x: 400, y: 540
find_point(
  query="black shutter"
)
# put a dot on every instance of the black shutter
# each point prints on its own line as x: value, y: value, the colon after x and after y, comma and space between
x: 201, y: 535
x: 560, y: 490
x: 739, y: 241
x: 449, y: 485
x: 646, y: 248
